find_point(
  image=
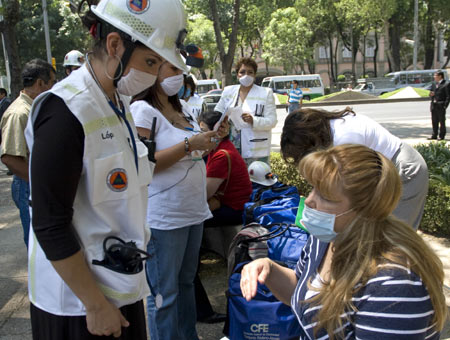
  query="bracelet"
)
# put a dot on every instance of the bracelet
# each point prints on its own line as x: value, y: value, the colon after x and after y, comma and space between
x: 187, y: 146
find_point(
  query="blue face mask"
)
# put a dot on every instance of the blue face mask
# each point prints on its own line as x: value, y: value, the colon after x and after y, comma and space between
x: 188, y: 93
x: 181, y: 92
x: 320, y: 224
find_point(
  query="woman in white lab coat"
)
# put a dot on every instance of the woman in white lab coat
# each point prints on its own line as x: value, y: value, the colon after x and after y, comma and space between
x: 251, y: 130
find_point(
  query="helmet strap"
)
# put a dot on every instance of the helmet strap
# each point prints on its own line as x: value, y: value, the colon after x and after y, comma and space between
x: 129, y: 48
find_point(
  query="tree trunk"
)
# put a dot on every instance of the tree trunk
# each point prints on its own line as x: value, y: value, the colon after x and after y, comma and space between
x: 394, y: 38
x: 226, y: 57
x: 375, y: 55
x: 331, y: 74
x: 336, y: 51
x: 8, y: 28
x: 428, y: 42
x: 363, y: 52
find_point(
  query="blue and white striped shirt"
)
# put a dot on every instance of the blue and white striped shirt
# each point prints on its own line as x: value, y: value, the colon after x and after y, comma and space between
x: 295, y: 95
x: 394, y: 304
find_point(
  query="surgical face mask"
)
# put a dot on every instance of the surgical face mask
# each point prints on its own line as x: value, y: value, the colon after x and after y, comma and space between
x: 246, y: 80
x: 320, y: 224
x: 181, y: 93
x: 188, y: 93
x: 135, y: 82
x: 171, y: 85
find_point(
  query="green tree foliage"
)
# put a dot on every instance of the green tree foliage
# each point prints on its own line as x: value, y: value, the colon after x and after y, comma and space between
x: 201, y: 33
x: 287, y: 39
x: 66, y: 31
x: 10, y: 16
x: 435, y: 14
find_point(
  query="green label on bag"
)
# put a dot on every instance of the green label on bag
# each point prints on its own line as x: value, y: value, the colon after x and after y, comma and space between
x: 301, y: 206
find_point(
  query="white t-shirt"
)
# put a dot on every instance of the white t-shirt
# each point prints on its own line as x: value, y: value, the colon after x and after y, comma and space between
x: 177, y: 195
x: 195, y: 103
x: 359, y: 129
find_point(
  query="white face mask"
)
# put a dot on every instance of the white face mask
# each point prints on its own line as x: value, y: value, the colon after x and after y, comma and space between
x: 171, y: 85
x: 135, y: 82
x: 246, y: 80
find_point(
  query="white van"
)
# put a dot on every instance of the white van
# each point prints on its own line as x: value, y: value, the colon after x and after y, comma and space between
x: 415, y: 78
x: 206, y: 85
x: 310, y: 84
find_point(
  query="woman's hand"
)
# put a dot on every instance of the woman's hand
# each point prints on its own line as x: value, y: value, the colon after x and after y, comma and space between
x: 248, y: 118
x: 203, y: 141
x: 105, y: 320
x: 252, y: 273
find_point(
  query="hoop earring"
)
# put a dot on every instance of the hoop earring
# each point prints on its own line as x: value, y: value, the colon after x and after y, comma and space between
x: 121, y: 69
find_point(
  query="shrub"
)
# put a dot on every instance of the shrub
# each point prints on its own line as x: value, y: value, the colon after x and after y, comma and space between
x: 288, y: 174
x: 341, y: 77
x: 436, y: 216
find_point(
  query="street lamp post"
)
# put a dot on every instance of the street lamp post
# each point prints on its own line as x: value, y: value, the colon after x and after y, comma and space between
x: 8, y: 75
x: 47, y: 34
x: 416, y: 32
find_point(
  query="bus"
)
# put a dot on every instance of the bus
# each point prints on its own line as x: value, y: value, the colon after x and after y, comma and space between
x: 310, y: 84
x: 415, y: 78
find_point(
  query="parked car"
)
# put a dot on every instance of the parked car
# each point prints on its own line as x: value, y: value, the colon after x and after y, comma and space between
x: 210, y: 100
x: 205, y: 85
x: 375, y: 86
x: 215, y: 91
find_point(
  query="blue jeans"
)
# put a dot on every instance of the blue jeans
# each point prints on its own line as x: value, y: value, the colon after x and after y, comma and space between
x: 20, y: 192
x: 293, y: 107
x: 171, y: 271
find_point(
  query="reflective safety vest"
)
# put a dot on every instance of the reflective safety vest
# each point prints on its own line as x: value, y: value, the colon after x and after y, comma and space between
x: 111, y: 199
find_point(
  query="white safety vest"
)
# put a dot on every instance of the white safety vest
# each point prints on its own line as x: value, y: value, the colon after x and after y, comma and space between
x: 255, y: 141
x: 111, y: 199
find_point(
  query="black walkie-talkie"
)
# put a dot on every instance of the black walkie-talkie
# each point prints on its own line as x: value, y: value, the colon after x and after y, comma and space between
x: 150, y: 142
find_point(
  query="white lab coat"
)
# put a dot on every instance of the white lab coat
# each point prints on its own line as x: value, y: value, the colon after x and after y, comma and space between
x: 260, y: 103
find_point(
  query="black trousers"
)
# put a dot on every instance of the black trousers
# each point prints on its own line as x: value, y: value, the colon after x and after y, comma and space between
x: 47, y: 326
x: 438, y: 120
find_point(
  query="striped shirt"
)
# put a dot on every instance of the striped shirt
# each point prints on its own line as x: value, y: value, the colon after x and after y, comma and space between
x: 394, y: 304
x: 295, y: 95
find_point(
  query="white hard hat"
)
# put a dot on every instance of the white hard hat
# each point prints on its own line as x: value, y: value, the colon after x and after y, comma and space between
x: 158, y: 24
x: 260, y: 173
x: 73, y: 58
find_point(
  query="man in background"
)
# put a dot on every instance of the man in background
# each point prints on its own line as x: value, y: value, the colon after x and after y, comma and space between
x: 295, y: 98
x: 38, y: 76
x: 4, y: 101
x: 440, y: 97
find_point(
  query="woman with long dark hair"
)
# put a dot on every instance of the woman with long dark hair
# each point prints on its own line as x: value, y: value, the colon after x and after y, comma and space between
x: 177, y: 205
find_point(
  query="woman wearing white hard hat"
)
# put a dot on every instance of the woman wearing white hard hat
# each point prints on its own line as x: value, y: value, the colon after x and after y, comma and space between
x: 89, y: 176
x: 251, y: 132
x: 177, y: 205
x: 73, y: 60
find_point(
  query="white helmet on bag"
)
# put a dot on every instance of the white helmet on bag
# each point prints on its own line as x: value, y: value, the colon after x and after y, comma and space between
x: 158, y: 24
x: 260, y: 173
x: 74, y: 58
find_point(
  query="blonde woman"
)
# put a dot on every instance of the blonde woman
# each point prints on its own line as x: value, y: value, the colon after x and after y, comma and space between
x: 363, y: 273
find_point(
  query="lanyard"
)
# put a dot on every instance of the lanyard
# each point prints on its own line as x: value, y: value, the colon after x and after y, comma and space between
x: 121, y: 114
